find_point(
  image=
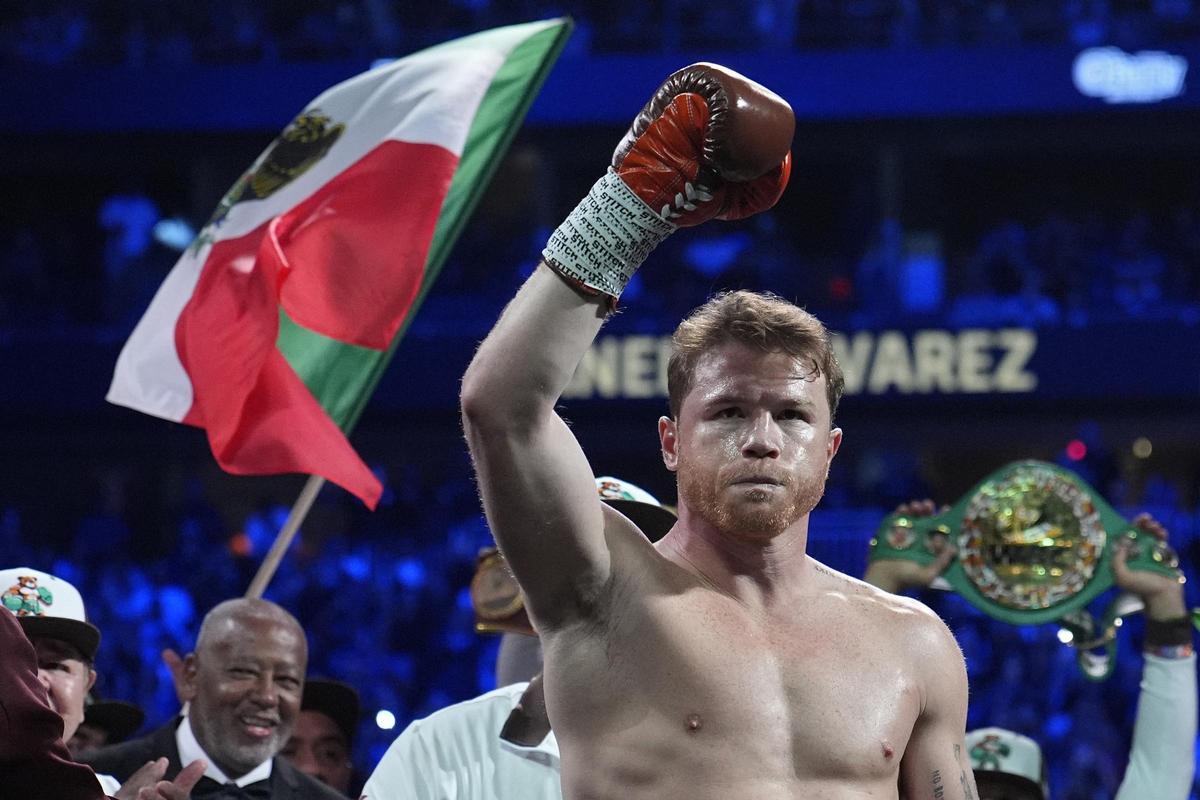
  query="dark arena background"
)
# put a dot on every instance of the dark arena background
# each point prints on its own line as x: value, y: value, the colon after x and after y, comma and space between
x: 995, y: 203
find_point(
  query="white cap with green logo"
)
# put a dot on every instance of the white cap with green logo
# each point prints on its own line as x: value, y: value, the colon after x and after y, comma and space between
x: 1006, y: 757
x: 640, y: 506
x: 49, y: 607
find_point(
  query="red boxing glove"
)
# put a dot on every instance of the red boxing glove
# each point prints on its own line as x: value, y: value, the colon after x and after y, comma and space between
x: 710, y: 143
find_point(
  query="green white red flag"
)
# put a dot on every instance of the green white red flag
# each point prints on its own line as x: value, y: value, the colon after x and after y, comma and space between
x: 274, y: 327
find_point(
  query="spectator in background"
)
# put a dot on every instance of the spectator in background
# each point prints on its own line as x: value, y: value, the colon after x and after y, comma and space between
x: 105, y: 722
x: 131, y: 274
x: 1138, y: 271
x: 321, y: 742
x: 1004, y: 286
x: 244, y: 684
x: 1009, y: 766
x: 34, y: 762
x: 51, y: 613
x: 879, y: 271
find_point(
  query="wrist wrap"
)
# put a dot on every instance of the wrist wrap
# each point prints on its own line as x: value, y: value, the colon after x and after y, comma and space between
x: 606, y: 238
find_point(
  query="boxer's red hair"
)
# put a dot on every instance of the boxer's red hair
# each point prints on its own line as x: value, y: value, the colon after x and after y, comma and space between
x: 759, y: 319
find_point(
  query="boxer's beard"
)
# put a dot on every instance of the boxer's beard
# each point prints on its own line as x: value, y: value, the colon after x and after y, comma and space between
x: 750, y: 519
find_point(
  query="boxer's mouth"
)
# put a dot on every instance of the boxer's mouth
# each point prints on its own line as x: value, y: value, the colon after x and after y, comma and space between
x: 758, y: 480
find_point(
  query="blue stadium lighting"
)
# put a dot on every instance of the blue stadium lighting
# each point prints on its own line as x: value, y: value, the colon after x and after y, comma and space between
x: 174, y: 233
x: 410, y: 573
x: 1117, y: 77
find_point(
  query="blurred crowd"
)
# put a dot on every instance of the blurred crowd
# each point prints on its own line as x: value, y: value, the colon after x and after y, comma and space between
x: 1060, y: 269
x: 240, y: 31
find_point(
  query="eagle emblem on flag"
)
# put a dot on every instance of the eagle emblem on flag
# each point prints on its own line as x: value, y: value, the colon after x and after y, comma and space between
x: 303, y: 143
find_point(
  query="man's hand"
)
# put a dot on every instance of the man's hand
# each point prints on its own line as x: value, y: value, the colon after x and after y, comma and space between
x: 178, y: 789
x: 897, y: 575
x: 148, y: 775
x: 1162, y: 595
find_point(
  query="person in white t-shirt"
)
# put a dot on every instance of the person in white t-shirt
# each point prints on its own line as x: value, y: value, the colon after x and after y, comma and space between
x: 498, y: 746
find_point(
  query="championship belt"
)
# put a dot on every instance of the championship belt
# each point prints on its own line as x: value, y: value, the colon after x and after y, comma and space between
x: 496, y: 597
x: 1035, y: 544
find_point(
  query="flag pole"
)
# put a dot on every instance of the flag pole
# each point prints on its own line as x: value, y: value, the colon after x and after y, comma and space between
x: 283, y: 540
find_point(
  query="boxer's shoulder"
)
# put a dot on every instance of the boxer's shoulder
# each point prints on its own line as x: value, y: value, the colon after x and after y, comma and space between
x: 872, y: 605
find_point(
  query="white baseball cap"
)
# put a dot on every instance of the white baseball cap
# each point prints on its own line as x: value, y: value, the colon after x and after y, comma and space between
x: 48, y: 607
x: 1007, y: 757
x: 640, y: 506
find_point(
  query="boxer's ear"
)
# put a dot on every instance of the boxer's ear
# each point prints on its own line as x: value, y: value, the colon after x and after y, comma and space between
x: 832, y: 446
x: 667, y: 437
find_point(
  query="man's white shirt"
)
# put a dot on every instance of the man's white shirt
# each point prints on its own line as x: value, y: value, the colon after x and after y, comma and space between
x: 190, y: 750
x: 457, y: 754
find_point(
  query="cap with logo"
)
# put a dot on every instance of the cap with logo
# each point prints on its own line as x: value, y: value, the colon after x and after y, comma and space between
x: 1008, y: 758
x: 48, y: 607
x: 495, y: 595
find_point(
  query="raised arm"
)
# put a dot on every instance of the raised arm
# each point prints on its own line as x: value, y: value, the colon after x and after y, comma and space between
x: 535, y: 482
x: 899, y: 575
x: 710, y: 143
x: 934, y: 766
x: 1162, y: 758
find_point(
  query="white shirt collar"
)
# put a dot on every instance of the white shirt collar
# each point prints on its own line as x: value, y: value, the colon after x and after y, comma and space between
x: 190, y: 750
x: 544, y: 752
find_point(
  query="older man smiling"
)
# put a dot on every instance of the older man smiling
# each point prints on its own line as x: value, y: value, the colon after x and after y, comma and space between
x: 244, y: 683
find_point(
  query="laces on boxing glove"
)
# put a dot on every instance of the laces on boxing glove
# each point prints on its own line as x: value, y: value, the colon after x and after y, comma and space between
x: 685, y: 201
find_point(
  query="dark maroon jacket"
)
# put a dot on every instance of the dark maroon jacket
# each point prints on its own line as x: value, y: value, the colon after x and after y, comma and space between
x: 34, y: 762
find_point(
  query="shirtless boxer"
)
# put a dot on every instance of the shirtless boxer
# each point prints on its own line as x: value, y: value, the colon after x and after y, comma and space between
x: 722, y: 663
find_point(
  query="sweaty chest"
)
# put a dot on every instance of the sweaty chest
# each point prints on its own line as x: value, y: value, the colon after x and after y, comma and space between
x: 817, y: 695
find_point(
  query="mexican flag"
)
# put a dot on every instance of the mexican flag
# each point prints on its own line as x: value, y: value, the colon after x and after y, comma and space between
x: 274, y: 327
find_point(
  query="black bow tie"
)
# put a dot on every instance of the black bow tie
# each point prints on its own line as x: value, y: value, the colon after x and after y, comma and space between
x: 208, y: 789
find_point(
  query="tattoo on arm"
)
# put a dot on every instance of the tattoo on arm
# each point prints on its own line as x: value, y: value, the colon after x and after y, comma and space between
x: 939, y: 791
x: 962, y: 776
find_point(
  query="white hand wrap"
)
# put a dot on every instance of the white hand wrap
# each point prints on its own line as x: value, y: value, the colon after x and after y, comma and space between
x: 606, y: 238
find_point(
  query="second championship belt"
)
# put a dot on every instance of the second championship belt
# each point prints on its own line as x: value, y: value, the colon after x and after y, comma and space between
x: 1035, y: 545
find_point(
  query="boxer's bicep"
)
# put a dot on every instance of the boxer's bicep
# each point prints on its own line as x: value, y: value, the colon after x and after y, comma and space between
x: 537, y: 487
x: 543, y: 509
x: 935, y: 766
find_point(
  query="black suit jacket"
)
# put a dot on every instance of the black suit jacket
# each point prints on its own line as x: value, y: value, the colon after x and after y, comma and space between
x: 122, y: 760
